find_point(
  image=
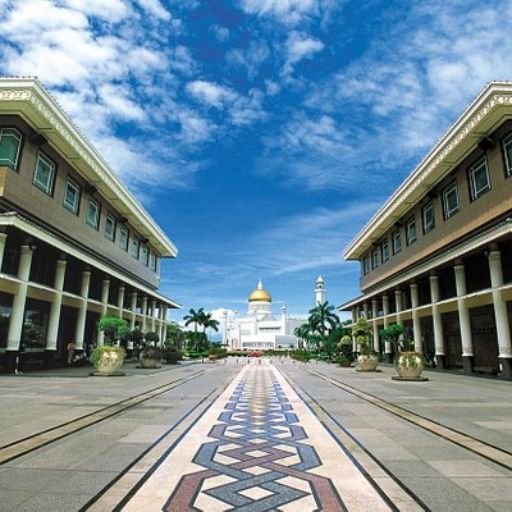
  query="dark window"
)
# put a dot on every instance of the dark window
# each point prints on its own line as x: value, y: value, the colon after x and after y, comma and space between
x: 410, y: 231
x: 450, y: 200
x: 479, y: 181
x: 124, y: 236
x: 72, y: 196
x: 366, y: 264
x: 397, y: 242
x: 44, y: 173
x: 384, y: 248
x: 428, y: 218
x: 144, y: 255
x: 507, y: 152
x: 110, y: 227
x: 93, y: 213
x: 375, y: 258
x: 134, y: 250
x: 10, y: 146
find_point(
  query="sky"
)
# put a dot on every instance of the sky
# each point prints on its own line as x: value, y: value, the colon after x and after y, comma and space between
x: 260, y: 134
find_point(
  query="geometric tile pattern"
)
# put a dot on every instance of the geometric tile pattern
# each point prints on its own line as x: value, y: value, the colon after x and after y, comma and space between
x: 258, y: 458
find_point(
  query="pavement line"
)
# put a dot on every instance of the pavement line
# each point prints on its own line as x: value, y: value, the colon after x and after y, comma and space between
x: 398, y: 495
x: 258, y: 447
x: 489, y: 452
x: 36, y: 441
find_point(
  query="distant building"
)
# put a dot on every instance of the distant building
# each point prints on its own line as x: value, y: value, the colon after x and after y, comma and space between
x: 437, y: 256
x: 260, y: 329
x: 74, y: 243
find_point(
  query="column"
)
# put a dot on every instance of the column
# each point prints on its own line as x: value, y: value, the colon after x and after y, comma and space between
x: 3, y: 241
x: 465, y: 324
x: 120, y: 300
x: 501, y: 315
x: 437, y: 322
x: 105, y: 291
x: 354, y: 315
x: 82, y: 311
x: 19, y: 301
x: 53, y: 323
x: 144, y: 313
x: 153, y: 315
x: 375, y: 312
x: 416, y: 325
x: 387, y: 345
x: 365, y: 310
x: 133, y: 309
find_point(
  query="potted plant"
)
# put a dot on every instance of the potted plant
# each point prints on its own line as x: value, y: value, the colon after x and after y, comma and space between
x: 368, y: 359
x: 345, y: 358
x: 151, y: 353
x: 108, y: 358
x: 408, y: 363
x: 170, y: 353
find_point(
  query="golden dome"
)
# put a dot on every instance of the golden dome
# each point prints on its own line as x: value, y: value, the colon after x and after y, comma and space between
x: 260, y: 294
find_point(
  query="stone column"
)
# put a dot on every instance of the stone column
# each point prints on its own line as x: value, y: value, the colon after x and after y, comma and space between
x: 416, y: 325
x: 501, y: 315
x: 365, y: 310
x: 82, y: 311
x: 375, y: 313
x: 465, y: 324
x: 354, y: 315
x: 438, y: 324
x: 53, y: 323
x: 18, y: 304
x: 144, y: 312
x: 133, y: 309
x: 105, y: 291
x: 153, y: 315
x: 3, y: 241
x: 120, y: 301
x: 387, y: 345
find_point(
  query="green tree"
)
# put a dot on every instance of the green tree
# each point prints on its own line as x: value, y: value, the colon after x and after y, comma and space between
x: 114, y: 328
x: 175, y: 335
x: 323, y: 319
x: 196, y: 318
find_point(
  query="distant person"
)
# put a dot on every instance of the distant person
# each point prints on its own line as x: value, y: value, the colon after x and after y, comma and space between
x: 71, y: 351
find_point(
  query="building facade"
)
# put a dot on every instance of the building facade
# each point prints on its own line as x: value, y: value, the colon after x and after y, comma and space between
x: 437, y: 256
x: 260, y: 329
x: 74, y: 243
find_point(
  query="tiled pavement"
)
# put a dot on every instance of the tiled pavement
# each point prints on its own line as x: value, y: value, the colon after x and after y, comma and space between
x: 258, y: 448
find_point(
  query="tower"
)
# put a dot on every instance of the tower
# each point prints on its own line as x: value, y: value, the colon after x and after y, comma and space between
x: 319, y: 290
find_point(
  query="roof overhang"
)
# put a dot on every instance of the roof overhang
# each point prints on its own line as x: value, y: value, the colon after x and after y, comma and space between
x: 25, y: 97
x: 491, y: 107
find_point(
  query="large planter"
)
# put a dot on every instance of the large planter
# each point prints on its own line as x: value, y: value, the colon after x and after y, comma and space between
x: 151, y: 358
x: 108, y: 360
x: 172, y: 356
x: 367, y: 362
x: 409, y: 365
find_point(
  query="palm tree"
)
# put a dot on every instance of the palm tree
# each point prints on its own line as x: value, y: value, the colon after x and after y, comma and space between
x: 323, y: 319
x: 303, y: 332
x: 210, y: 323
x: 196, y: 318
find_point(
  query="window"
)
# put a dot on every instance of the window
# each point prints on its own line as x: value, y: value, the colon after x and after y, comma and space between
x: 450, y: 200
x: 479, y: 181
x: 410, y: 231
x: 397, y: 242
x: 155, y: 263
x: 134, y: 251
x: 44, y: 174
x: 366, y: 264
x: 428, y: 218
x: 375, y: 258
x: 507, y: 151
x: 110, y: 227
x: 72, y: 196
x: 93, y: 213
x: 384, y: 249
x: 123, y: 237
x: 10, y: 146
x: 144, y: 255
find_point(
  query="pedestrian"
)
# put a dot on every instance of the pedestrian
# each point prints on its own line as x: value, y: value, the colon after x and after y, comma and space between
x: 18, y: 363
x: 71, y: 351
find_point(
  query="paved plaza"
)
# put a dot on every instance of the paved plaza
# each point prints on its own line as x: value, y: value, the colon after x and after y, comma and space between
x: 254, y: 435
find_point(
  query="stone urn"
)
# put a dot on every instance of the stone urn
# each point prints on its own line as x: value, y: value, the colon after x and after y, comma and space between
x: 409, y: 365
x: 151, y: 357
x: 108, y: 360
x: 367, y: 362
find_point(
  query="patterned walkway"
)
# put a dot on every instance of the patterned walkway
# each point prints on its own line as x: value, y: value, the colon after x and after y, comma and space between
x: 258, y: 448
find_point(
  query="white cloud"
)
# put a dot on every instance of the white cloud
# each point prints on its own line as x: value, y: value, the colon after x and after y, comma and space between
x: 221, y: 33
x: 300, y: 46
x: 155, y: 8
x: 213, y: 95
x: 109, y: 10
x: 287, y: 11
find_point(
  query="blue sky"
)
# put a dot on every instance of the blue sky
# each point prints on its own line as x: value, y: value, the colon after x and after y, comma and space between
x: 260, y: 134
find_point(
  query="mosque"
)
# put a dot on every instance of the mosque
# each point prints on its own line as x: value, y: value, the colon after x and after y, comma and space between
x: 261, y: 329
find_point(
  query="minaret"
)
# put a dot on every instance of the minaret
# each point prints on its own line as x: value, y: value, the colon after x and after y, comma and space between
x: 319, y: 291
x: 284, y: 319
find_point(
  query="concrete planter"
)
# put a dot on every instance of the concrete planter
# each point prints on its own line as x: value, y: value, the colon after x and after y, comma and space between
x: 109, y: 361
x: 409, y: 365
x: 367, y: 362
